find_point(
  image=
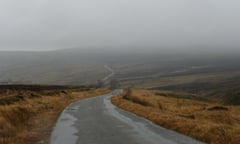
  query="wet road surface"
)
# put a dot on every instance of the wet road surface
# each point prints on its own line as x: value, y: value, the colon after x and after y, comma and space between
x: 97, y: 121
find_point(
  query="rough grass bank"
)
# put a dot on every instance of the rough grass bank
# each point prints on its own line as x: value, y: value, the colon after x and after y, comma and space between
x: 211, y: 123
x: 28, y: 113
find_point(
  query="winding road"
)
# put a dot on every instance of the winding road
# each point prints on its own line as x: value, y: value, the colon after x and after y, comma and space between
x: 97, y: 121
x: 112, y: 73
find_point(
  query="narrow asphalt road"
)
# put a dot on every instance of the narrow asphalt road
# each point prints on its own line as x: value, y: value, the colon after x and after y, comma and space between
x: 112, y: 73
x: 97, y: 121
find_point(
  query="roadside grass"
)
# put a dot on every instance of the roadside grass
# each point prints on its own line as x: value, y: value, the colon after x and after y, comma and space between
x: 30, y: 119
x: 211, y: 123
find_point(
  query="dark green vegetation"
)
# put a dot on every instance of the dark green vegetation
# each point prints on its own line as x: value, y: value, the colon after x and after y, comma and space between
x: 211, y: 77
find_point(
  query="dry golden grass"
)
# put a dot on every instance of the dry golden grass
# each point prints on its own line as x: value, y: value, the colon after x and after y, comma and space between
x: 30, y: 119
x: 215, y: 124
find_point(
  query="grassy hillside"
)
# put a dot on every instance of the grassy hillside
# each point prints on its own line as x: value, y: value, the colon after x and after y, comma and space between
x: 29, y: 112
x: 213, y: 77
x: 181, y: 78
x: 208, y: 122
x: 222, y: 88
x: 50, y: 68
x: 86, y: 67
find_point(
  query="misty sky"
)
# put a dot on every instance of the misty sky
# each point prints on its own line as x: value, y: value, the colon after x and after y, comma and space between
x: 158, y: 24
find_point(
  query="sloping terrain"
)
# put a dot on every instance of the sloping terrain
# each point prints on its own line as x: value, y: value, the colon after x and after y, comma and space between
x: 132, y: 69
x: 55, y: 67
x: 208, y: 122
x: 210, y: 77
x: 28, y: 112
x: 222, y: 88
x: 97, y: 121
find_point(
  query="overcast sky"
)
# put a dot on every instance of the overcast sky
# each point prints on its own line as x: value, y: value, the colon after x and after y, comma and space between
x: 159, y: 24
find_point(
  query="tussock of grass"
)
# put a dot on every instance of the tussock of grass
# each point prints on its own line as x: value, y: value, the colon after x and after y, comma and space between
x: 29, y: 119
x: 210, y: 123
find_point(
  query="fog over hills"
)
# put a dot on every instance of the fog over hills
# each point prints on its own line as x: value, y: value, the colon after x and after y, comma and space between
x: 162, y: 56
x: 196, y: 26
x: 75, y: 66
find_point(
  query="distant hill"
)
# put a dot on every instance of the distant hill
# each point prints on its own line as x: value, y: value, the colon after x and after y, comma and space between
x: 56, y: 67
x: 83, y: 66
